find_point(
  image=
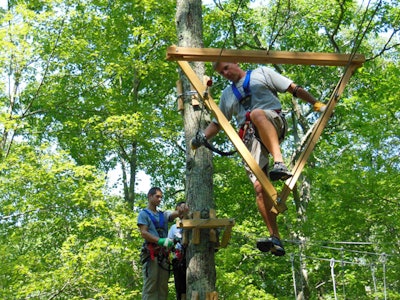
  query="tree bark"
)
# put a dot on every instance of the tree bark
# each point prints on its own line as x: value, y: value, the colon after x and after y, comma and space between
x: 201, y: 274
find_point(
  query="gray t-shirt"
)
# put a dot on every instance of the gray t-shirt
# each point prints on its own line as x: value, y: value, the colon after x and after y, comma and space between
x: 265, y: 84
x: 145, y: 219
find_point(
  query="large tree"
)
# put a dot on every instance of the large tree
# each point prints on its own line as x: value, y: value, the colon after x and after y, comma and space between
x: 201, y: 274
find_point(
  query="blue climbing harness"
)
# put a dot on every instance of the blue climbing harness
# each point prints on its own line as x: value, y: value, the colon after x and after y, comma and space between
x: 245, y: 99
x: 158, y: 224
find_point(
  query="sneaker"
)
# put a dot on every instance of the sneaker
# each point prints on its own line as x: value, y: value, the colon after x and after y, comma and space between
x: 272, y: 244
x: 279, y: 171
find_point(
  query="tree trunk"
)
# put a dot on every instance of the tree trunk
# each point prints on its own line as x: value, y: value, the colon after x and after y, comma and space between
x: 201, y: 275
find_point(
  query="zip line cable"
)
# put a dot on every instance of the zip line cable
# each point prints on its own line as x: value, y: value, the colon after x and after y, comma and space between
x: 354, y: 251
x: 332, y: 261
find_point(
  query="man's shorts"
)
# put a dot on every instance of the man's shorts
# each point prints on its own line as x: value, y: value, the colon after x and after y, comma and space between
x: 257, y: 149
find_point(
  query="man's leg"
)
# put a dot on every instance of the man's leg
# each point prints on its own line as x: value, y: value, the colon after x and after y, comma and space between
x: 150, y: 277
x: 269, y: 124
x: 267, y: 133
x: 268, y: 216
x: 272, y: 243
x: 163, y: 276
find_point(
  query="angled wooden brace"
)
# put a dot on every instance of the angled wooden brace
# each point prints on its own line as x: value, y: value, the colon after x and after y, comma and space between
x: 316, y: 132
x: 272, y: 195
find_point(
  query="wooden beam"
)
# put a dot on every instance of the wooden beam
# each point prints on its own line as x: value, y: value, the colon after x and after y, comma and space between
x: 205, y: 223
x: 226, y: 237
x: 277, y: 205
x: 263, y: 56
x: 316, y: 133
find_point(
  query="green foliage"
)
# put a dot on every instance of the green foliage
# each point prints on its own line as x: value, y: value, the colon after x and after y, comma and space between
x: 61, y: 236
x: 85, y: 87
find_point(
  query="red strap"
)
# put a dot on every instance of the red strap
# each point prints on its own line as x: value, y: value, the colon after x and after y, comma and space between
x: 245, y: 126
x: 248, y: 116
x: 151, y: 250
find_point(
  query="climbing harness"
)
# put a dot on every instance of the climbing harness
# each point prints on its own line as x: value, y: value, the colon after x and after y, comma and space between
x: 158, y: 224
x: 151, y: 250
x: 244, y: 100
x: 247, y: 129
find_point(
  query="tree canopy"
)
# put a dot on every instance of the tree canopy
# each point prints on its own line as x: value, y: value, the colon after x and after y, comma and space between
x: 85, y: 88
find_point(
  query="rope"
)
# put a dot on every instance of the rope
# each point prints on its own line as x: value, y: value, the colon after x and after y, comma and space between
x: 342, y: 271
x: 383, y: 257
x: 333, y: 276
x: 230, y: 28
x: 293, y: 275
x: 373, y: 277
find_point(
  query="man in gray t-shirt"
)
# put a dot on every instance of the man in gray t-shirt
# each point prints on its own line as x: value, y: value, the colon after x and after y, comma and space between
x: 253, y: 101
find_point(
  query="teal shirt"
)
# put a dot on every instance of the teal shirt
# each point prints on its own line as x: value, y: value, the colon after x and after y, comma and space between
x: 144, y: 219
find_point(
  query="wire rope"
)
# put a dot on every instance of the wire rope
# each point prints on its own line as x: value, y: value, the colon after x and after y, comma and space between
x: 384, y: 259
x: 342, y: 271
x: 332, y: 264
x: 293, y: 275
x: 373, y: 277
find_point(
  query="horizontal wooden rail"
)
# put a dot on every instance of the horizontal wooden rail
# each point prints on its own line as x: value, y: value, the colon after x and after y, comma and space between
x: 175, y: 53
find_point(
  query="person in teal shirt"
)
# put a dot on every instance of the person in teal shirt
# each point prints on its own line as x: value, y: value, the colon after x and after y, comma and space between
x: 153, y: 226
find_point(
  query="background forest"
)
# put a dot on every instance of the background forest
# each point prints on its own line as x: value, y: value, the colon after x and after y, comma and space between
x: 86, y: 89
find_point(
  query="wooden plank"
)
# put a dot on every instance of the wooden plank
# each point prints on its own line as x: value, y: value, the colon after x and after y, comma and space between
x: 206, y: 223
x: 263, y: 56
x: 213, y: 232
x: 316, y: 133
x: 180, y: 96
x: 272, y: 196
x: 196, y: 230
x: 195, y: 295
x: 211, y: 296
x: 226, y: 237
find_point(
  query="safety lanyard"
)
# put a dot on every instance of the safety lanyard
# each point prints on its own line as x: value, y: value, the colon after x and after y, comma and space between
x: 246, y: 87
x: 159, y: 224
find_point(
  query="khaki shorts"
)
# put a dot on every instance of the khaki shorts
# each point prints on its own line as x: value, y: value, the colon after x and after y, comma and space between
x: 257, y: 149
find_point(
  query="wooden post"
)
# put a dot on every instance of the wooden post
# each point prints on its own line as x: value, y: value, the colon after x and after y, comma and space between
x: 213, y: 232
x: 180, y: 95
x: 196, y: 231
x: 195, y: 295
x: 211, y: 296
